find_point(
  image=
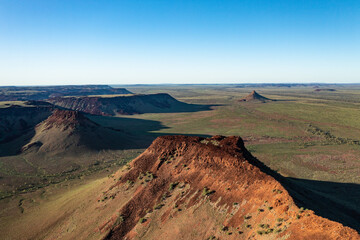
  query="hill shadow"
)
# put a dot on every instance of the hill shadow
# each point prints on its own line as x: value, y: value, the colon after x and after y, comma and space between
x: 112, y: 133
x: 13, y: 145
x: 339, y: 202
x: 141, y: 132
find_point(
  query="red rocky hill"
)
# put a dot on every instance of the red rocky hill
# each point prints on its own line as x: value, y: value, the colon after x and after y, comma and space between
x: 195, y: 188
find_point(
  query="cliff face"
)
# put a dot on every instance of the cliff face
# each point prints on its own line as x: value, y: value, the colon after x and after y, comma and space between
x: 42, y: 93
x: 196, y: 188
x: 124, y: 105
x: 67, y: 119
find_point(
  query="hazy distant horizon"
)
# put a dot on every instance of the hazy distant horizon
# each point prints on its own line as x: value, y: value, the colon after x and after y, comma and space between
x: 157, y: 42
x: 186, y: 84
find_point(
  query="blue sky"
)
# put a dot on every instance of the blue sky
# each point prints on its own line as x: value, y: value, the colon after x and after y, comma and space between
x: 55, y: 42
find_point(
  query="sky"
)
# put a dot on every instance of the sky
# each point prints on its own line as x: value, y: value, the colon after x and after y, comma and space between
x: 56, y: 42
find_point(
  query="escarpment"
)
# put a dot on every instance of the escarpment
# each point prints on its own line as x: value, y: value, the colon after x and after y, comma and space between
x: 125, y: 105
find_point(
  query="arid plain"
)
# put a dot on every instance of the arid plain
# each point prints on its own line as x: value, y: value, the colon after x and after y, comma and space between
x: 306, y: 136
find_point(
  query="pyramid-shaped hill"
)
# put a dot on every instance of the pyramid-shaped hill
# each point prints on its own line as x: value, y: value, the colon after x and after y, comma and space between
x: 255, y: 97
x: 67, y: 131
x: 126, y: 104
x: 199, y: 188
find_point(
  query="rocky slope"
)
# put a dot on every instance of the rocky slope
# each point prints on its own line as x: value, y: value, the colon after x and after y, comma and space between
x: 124, y: 105
x: 196, y: 188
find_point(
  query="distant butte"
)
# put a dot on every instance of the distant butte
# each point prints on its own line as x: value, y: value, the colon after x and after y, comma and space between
x: 254, y: 96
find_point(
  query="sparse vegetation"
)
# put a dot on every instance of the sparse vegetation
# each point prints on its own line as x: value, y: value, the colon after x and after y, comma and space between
x: 129, y: 182
x: 279, y: 127
x: 331, y: 139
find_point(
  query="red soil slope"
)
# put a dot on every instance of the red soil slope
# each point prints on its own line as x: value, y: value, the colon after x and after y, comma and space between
x: 178, y: 177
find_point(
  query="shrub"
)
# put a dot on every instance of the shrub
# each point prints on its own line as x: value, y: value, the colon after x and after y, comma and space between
x: 142, y: 220
x: 164, y: 196
x: 119, y: 220
x: 173, y: 186
x: 224, y: 228
x: 158, y: 206
x: 207, y: 192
